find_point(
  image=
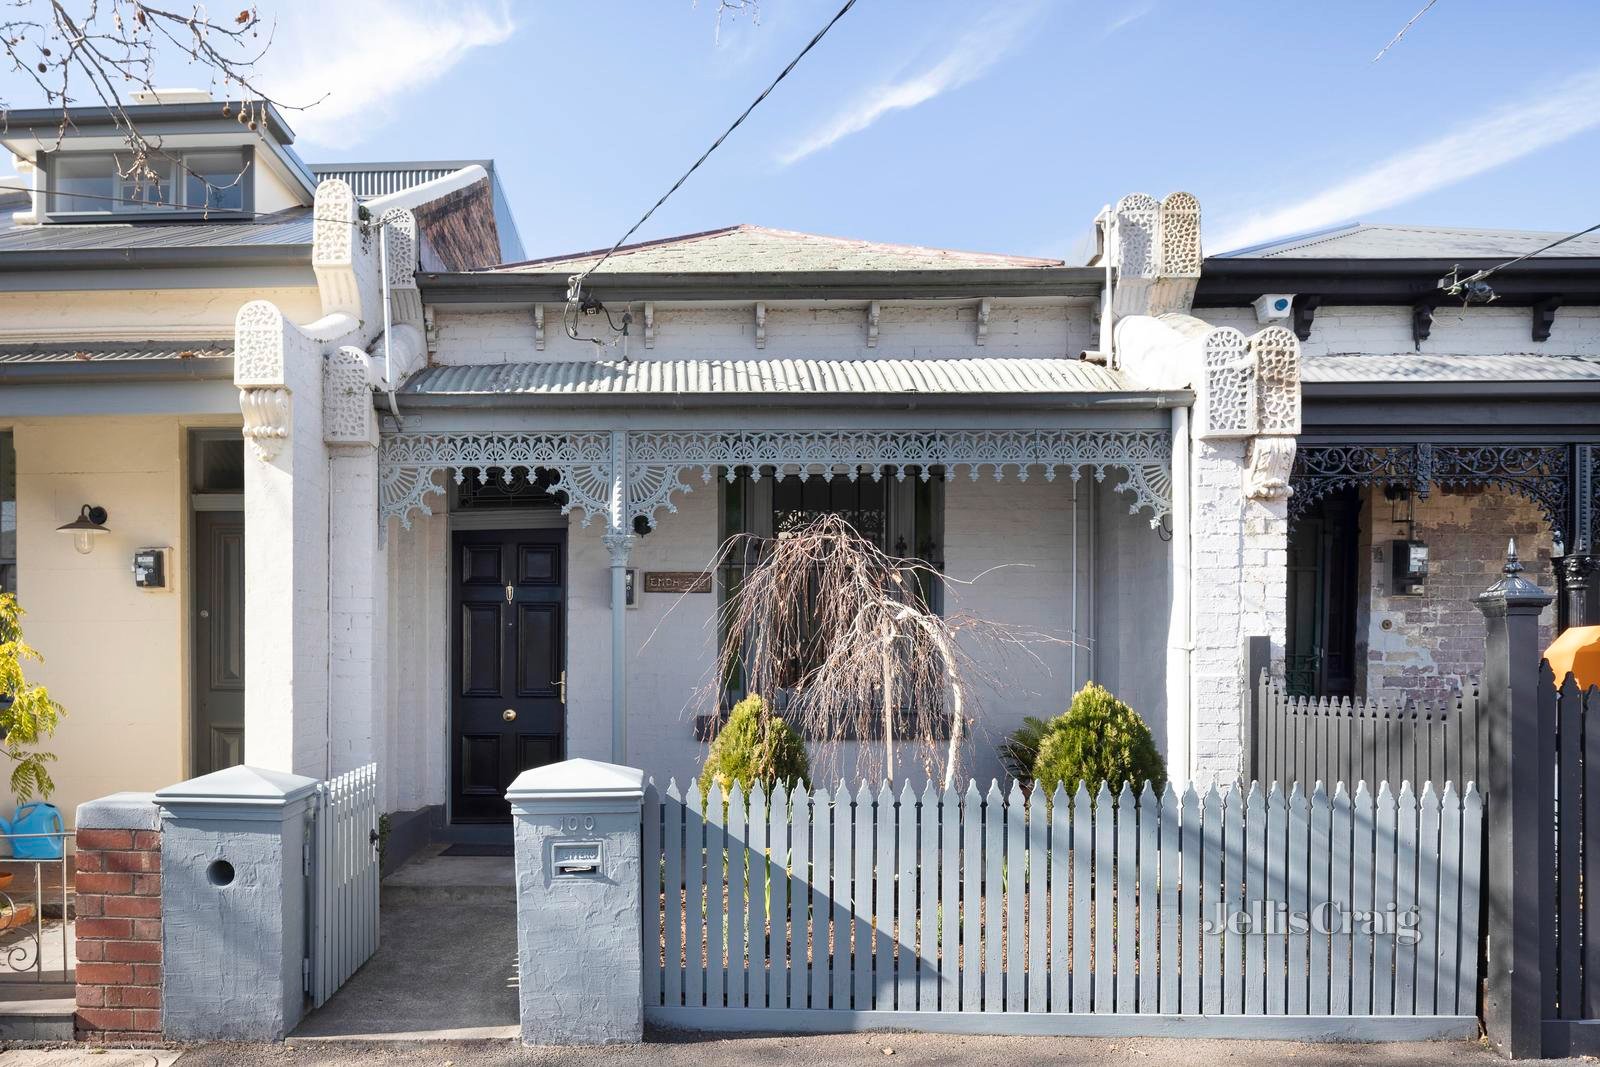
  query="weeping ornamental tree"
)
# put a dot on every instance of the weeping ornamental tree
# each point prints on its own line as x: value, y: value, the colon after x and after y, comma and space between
x: 27, y: 714
x: 841, y: 634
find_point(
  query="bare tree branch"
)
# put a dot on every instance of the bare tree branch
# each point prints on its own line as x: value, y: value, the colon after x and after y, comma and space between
x: 839, y: 636
x: 99, y: 52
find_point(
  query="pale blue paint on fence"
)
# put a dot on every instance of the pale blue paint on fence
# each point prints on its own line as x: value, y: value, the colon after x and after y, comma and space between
x: 1245, y: 905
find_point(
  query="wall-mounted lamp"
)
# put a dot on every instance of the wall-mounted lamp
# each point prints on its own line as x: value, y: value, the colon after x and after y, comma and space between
x: 90, y: 521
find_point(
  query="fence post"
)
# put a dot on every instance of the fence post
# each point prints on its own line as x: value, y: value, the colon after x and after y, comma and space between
x: 580, y: 921
x: 233, y: 905
x: 1518, y: 811
x: 1257, y: 657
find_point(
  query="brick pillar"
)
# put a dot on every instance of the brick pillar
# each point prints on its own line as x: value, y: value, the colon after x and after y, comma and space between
x: 118, y: 907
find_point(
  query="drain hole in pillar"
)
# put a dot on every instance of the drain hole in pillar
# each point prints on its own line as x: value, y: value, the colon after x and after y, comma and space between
x: 220, y: 873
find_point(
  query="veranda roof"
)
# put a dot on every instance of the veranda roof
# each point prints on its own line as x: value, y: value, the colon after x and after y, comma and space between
x: 688, y: 380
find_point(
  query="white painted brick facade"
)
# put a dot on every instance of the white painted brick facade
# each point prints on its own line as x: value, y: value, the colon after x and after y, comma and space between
x: 906, y: 331
x: 1476, y: 331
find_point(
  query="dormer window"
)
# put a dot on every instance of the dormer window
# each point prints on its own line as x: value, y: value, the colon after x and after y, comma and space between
x: 174, y: 182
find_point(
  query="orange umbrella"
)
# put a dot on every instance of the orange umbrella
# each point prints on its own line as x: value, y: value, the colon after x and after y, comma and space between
x: 1576, y: 651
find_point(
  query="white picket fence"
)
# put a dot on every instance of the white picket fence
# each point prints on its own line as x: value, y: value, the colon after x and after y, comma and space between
x: 342, y: 857
x: 1194, y: 913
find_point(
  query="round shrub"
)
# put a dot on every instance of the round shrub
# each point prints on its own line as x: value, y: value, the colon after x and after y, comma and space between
x: 1099, y: 740
x: 1020, y: 751
x: 755, y: 746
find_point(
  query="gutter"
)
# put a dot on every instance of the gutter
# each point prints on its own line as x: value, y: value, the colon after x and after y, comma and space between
x: 297, y: 255
x: 1140, y: 401
x: 1427, y: 392
x: 505, y: 287
x: 104, y: 372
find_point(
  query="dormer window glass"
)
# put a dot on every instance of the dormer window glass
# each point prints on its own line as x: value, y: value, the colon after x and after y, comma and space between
x: 183, y: 182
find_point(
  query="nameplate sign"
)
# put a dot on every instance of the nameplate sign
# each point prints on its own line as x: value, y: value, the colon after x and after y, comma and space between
x: 677, y: 581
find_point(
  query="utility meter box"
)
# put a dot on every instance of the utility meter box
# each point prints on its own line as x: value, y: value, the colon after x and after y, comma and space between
x: 1410, y: 561
x: 150, y: 568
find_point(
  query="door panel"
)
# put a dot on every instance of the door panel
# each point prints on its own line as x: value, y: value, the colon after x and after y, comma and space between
x: 218, y: 640
x: 509, y: 649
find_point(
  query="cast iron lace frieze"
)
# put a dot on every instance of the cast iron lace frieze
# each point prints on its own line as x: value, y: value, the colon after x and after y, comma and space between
x: 657, y: 461
x: 1539, y: 473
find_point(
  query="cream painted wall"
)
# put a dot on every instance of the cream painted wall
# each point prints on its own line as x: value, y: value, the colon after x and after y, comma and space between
x: 116, y: 656
x: 177, y: 314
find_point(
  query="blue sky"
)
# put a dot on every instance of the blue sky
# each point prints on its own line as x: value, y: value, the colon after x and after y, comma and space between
x: 992, y: 126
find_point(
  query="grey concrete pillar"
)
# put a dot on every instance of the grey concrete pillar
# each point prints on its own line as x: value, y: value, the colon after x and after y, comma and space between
x: 1518, y: 806
x: 579, y: 924
x: 233, y: 904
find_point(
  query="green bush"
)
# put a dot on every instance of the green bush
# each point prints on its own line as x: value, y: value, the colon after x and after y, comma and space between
x: 1020, y: 751
x: 755, y: 746
x: 1099, y: 740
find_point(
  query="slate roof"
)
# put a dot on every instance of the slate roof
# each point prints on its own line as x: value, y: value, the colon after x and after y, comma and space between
x: 1393, y: 241
x: 800, y: 377
x: 1404, y: 367
x: 113, y: 351
x: 760, y: 248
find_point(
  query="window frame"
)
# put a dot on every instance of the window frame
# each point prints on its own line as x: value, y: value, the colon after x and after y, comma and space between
x: 114, y: 210
x: 8, y: 473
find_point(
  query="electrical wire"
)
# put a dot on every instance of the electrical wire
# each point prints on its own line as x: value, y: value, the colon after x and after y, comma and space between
x: 1404, y: 30
x: 1458, y: 285
x: 576, y: 282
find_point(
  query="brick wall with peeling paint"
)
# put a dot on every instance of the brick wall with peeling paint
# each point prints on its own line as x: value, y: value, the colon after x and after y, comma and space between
x: 1425, y: 647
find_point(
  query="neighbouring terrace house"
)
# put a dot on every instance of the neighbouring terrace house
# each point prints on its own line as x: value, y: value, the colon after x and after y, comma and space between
x: 118, y: 301
x: 1435, y: 430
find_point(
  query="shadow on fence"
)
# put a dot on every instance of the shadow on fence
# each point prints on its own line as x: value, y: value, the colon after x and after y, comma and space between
x: 1245, y: 904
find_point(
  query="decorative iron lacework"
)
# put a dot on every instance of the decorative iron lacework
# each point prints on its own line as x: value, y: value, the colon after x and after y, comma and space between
x: 656, y: 461
x: 1540, y: 473
x: 407, y: 463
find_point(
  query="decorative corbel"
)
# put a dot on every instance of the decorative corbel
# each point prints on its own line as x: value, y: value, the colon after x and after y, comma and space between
x: 649, y: 325
x: 1544, y: 317
x: 538, y: 327
x: 761, y: 325
x: 1422, y: 321
x: 1267, y: 472
x: 266, y: 419
x: 1305, y: 311
x: 983, y: 322
x: 872, y: 324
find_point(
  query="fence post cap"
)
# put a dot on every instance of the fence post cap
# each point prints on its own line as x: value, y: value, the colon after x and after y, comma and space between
x: 1511, y: 592
x: 577, y: 780
x: 237, y: 790
x: 119, y: 811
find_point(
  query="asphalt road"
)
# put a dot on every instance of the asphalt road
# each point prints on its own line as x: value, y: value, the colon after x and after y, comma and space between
x: 882, y: 1050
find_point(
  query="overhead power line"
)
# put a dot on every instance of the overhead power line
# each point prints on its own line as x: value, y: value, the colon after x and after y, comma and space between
x: 576, y: 282
x: 1474, y: 286
x: 1404, y: 30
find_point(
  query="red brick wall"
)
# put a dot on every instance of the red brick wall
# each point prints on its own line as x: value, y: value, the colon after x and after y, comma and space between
x: 118, y: 888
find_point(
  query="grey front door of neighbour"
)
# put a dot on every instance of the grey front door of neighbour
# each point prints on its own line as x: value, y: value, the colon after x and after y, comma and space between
x: 218, y: 640
x: 508, y: 650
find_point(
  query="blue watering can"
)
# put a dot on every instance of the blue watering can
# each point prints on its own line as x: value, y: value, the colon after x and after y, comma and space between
x: 35, y: 818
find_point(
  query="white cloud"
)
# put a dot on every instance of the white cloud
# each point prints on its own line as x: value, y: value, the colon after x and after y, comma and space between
x: 980, y: 46
x: 1502, y: 135
x: 368, y: 55
x: 1132, y: 14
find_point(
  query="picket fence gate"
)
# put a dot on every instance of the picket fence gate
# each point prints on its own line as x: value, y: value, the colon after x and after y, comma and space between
x: 342, y: 870
x: 1127, y: 914
x: 1337, y: 739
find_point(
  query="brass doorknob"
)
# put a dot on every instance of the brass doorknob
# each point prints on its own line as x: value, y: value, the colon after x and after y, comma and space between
x: 509, y: 715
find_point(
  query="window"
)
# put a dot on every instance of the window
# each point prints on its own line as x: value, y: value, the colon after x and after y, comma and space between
x: 8, y: 515
x: 902, y: 517
x: 216, y: 461
x: 105, y: 183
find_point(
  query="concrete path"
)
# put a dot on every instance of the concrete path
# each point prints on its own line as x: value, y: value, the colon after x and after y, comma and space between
x: 854, y: 1050
x: 446, y: 966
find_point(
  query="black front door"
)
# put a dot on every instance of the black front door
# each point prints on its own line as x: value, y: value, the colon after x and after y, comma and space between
x: 508, y: 663
x: 1324, y: 552
x: 218, y: 640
